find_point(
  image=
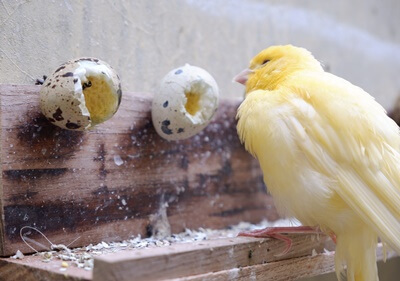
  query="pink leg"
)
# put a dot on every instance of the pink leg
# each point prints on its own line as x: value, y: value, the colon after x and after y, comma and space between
x: 333, y: 237
x: 276, y: 232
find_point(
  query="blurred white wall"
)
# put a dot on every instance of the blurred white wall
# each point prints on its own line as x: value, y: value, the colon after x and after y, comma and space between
x: 144, y: 39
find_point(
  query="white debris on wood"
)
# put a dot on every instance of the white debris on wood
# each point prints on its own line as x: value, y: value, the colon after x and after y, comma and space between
x: 118, y: 160
x: 18, y: 255
x: 83, y: 257
x: 160, y: 227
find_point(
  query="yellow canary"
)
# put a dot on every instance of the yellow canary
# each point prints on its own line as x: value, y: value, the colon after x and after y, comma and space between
x: 328, y: 152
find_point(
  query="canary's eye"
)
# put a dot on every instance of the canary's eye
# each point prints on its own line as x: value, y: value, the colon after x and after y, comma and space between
x: 265, y: 62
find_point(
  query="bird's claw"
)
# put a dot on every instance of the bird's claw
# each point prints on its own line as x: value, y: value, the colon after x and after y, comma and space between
x: 269, y: 232
x: 276, y: 232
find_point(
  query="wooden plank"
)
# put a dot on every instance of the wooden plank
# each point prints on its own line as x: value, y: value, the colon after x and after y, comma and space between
x: 67, y: 184
x: 32, y: 268
x: 284, y: 270
x: 233, y: 259
x: 182, y: 260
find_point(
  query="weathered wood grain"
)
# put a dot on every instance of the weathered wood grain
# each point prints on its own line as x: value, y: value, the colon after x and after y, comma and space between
x: 67, y: 183
x: 226, y: 259
x: 203, y: 257
x: 283, y: 270
x: 32, y: 268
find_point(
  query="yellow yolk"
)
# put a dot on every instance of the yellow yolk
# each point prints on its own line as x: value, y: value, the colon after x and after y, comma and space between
x: 192, y: 103
x: 101, y: 101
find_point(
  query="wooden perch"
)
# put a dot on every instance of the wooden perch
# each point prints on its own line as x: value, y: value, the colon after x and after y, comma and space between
x: 32, y: 268
x: 222, y: 259
x: 217, y: 256
x: 282, y: 270
x: 202, y: 257
x: 67, y: 184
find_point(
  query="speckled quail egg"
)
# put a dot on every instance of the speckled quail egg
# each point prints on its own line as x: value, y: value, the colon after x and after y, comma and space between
x: 185, y: 103
x: 80, y: 94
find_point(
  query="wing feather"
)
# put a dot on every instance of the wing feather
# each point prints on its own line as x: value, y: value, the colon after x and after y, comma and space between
x: 352, y: 140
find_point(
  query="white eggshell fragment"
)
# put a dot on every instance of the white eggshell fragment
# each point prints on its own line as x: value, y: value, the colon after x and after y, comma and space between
x: 80, y: 94
x: 185, y: 103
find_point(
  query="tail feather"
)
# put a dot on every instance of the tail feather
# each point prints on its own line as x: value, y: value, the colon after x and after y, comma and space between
x: 356, y: 251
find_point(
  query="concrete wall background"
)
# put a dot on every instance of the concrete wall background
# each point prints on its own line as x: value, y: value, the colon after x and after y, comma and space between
x: 144, y: 39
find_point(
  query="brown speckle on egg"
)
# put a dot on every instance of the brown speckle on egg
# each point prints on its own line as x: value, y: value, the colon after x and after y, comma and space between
x: 164, y: 127
x: 72, y: 126
x: 68, y: 74
x: 58, y: 115
x: 60, y: 68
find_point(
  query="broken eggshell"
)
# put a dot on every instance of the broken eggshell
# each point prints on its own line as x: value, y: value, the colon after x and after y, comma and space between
x: 80, y: 94
x: 185, y: 103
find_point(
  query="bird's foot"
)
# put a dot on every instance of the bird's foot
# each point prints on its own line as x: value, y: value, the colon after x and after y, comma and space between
x: 333, y: 237
x: 277, y: 233
x: 40, y: 81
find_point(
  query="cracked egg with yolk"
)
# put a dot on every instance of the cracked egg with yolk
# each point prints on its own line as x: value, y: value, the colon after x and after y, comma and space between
x: 80, y: 94
x: 185, y: 104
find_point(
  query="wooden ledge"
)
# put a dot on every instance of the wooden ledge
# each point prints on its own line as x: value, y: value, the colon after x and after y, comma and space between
x: 183, y: 260
x: 239, y: 258
x: 282, y: 270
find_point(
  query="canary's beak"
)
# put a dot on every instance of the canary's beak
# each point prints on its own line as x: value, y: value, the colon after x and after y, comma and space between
x: 243, y: 76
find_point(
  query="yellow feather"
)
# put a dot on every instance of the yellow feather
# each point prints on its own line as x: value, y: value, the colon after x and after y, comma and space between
x: 328, y: 151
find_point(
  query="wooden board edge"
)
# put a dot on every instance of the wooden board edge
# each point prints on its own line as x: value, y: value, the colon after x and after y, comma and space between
x: 180, y: 260
x: 283, y: 270
x: 31, y: 268
x: 2, y: 226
